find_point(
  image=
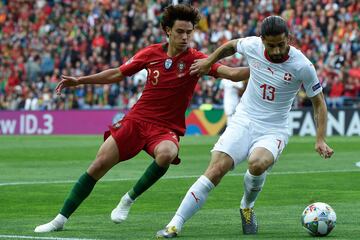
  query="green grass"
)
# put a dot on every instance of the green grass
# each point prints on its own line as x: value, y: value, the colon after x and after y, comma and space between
x: 42, y: 170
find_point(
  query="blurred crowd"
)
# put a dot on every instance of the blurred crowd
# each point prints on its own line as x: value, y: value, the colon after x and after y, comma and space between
x: 41, y: 40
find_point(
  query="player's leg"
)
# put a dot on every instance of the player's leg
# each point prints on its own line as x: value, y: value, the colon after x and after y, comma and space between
x: 259, y: 160
x: 198, y: 193
x: 106, y: 158
x: 164, y: 148
x: 262, y: 156
x: 165, y: 152
x: 226, y: 154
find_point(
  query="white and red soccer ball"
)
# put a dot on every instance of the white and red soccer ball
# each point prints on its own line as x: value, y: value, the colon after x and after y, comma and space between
x: 318, y: 219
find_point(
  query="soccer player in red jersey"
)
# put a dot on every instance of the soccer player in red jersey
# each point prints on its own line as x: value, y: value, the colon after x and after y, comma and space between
x: 155, y: 122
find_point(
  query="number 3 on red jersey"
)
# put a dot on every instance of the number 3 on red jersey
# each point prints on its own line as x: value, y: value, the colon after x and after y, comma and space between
x: 155, y: 76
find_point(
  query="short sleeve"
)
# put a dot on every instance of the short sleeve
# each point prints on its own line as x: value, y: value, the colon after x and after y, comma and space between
x: 310, y: 80
x: 246, y: 46
x: 135, y: 64
x: 240, y: 45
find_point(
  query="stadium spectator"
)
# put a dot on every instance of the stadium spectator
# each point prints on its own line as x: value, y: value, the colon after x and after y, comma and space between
x: 232, y: 94
x: 336, y: 98
x: 62, y: 33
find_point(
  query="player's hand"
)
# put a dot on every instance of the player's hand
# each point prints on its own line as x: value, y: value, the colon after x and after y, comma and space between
x: 66, y: 81
x: 323, y: 149
x: 200, y: 67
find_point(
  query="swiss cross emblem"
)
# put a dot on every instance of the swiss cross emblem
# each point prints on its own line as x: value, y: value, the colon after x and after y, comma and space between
x: 287, y: 77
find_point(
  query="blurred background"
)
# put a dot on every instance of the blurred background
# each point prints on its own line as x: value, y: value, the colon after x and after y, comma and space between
x: 40, y: 40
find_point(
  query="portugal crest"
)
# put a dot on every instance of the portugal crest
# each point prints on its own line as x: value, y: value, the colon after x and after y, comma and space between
x: 168, y: 63
x: 181, y: 66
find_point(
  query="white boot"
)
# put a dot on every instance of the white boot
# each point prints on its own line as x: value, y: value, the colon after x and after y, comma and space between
x: 57, y: 224
x: 121, y: 212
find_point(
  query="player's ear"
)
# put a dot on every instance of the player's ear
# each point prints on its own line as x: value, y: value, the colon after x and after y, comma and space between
x: 290, y: 39
x: 168, y: 31
x: 262, y: 39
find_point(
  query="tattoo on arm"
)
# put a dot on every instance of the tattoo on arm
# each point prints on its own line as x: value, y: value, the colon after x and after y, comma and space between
x: 222, y: 52
x: 227, y: 51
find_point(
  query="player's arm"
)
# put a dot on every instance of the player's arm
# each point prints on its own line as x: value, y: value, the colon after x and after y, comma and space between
x: 234, y: 74
x: 202, y: 66
x: 112, y: 75
x: 320, y: 117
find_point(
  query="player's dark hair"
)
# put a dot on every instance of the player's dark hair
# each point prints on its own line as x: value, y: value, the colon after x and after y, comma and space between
x: 181, y: 12
x: 274, y: 25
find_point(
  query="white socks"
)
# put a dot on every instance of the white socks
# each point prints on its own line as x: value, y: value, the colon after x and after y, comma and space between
x: 121, y: 212
x: 252, y: 187
x: 57, y: 224
x: 192, y: 202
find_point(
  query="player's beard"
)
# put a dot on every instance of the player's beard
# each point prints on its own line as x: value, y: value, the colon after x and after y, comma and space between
x: 279, y: 58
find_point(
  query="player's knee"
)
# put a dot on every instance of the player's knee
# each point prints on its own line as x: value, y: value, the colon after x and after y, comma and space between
x: 165, y: 156
x: 258, y: 166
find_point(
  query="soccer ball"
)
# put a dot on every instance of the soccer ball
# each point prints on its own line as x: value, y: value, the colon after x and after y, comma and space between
x: 318, y: 219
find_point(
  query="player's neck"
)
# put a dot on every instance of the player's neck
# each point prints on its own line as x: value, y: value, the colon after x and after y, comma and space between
x: 173, y: 52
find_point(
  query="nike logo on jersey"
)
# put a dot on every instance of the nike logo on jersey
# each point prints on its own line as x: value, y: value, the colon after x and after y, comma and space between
x: 152, y: 63
x: 173, y: 135
x: 272, y: 72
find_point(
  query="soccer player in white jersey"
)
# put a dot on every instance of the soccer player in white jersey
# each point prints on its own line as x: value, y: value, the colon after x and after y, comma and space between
x: 258, y: 130
x: 232, y: 95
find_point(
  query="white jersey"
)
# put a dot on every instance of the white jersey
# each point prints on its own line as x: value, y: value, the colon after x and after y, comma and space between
x: 231, y: 95
x: 272, y: 87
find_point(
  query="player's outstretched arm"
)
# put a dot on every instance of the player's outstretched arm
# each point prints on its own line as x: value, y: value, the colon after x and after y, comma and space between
x: 234, y: 74
x: 320, y: 117
x: 202, y: 66
x: 112, y: 75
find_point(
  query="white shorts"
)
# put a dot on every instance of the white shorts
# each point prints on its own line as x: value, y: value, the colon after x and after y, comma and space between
x: 242, y: 137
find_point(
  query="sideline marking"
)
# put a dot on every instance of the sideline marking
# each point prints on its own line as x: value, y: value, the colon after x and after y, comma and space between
x: 175, y: 177
x: 44, y: 238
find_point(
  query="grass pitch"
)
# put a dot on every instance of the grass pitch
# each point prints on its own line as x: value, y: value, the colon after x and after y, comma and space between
x: 37, y: 172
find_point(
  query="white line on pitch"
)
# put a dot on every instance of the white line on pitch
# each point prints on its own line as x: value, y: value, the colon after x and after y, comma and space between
x: 173, y: 177
x: 43, y: 238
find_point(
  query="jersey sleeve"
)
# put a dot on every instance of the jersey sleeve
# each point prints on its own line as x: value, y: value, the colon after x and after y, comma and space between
x: 135, y: 64
x: 240, y: 46
x: 310, y: 80
x: 244, y: 45
x: 247, y: 45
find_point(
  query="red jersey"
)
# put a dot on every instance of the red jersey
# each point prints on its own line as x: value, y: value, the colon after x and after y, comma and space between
x: 169, y: 86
